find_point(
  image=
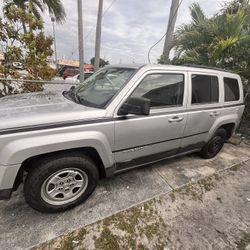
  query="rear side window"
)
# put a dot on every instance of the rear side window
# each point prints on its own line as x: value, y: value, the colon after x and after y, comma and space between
x: 231, y: 88
x: 205, y: 89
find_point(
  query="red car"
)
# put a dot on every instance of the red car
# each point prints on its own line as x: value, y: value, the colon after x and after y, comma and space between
x: 70, y: 72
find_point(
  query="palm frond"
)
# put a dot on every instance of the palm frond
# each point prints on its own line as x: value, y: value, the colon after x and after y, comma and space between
x: 55, y: 8
x: 197, y: 14
x: 35, y: 11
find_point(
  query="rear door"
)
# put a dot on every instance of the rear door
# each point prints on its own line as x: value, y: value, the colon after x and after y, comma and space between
x: 144, y: 139
x: 204, y: 107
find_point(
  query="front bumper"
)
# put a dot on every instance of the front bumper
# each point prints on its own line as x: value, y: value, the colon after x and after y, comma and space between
x: 7, y: 179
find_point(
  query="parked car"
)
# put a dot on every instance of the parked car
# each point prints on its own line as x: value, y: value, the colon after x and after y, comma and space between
x: 76, y: 78
x: 122, y: 117
x: 64, y: 67
x: 61, y: 70
x: 70, y: 72
x: 18, y: 65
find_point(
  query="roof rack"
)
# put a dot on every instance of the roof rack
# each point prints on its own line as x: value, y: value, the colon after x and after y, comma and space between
x: 205, y: 67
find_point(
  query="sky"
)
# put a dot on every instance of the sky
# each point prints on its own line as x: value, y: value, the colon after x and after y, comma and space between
x: 129, y: 28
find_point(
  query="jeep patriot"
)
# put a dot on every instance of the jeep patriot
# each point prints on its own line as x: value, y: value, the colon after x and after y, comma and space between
x: 122, y: 117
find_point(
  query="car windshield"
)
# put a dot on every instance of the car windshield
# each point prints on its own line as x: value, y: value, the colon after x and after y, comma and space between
x: 98, y: 89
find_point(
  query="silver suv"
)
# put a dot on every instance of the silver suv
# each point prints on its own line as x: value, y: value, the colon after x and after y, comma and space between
x: 60, y: 144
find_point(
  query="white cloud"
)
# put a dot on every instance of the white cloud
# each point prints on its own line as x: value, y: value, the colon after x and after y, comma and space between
x: 129, y: 28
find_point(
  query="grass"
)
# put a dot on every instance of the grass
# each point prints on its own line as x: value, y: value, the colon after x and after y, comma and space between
x: 107, y: 240
x: 244, y: 241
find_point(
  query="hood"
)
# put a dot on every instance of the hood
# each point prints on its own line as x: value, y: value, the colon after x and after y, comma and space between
x: 42, y: 108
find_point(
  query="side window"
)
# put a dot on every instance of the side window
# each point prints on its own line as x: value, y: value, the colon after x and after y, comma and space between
x: 163, y: 90
x: 231, y: 88
x: 205, y: 89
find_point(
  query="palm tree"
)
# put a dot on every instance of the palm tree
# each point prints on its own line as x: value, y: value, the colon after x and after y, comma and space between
x: 54, y: 7
x: 208, y: 40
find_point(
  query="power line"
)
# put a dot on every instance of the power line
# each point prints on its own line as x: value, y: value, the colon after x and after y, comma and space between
x: 169, y: 24
x: 105, y: 11
x: 94, y: 26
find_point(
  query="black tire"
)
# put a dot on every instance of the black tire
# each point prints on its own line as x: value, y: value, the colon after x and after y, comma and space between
x: 214, y: 145
x: 46, y: 167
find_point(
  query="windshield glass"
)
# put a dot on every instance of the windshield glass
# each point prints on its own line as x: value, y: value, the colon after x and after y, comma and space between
x: 99, y: 88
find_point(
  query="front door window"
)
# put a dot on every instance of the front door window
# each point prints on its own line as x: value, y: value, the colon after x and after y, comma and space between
x: 163, y: 90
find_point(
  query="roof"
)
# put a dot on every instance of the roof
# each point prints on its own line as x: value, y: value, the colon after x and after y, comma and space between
x: 205, y: 67
x: 129, y: 66
x: 74, y: 63
x: 187, y: 67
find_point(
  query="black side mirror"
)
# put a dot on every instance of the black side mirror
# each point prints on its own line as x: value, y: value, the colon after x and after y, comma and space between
x: 135, y: 105
x: 72, y: 88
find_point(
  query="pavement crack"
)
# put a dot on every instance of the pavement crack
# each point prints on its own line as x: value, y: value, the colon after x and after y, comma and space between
x: 159, y: 173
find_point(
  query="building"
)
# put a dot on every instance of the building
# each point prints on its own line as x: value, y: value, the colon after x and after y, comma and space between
x: 75, y: 63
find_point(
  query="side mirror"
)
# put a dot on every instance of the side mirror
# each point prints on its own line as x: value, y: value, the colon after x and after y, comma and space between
x: 135, y: 105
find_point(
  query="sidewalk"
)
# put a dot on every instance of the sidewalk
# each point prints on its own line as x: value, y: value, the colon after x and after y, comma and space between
x: 211, y: 213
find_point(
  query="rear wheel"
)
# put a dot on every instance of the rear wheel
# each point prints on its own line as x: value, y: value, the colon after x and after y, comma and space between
x: 61, y: 182
x: 214, y: 145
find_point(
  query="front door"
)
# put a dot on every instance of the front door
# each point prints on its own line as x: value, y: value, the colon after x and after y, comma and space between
x: 145, y: 139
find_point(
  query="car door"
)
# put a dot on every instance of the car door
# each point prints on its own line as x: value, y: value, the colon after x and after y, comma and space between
x: 144, y: 139
x: 203, y: 108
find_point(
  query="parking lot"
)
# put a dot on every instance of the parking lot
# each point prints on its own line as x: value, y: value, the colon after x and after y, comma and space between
x: 22, y: 227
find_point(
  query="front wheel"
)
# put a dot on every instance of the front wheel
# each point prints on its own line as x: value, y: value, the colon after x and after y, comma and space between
x: 214, y: 145
x: 61, y: 182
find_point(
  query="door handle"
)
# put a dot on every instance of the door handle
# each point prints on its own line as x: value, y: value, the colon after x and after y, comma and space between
x: 215, y: 113
x: 176, y: 119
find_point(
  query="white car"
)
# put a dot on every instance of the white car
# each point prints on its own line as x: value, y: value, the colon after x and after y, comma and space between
x: 18, y: 65
x: 73, y: 79
x: 76, y: 78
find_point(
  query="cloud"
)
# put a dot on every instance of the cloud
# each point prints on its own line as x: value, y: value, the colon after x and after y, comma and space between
x: 129, y: 28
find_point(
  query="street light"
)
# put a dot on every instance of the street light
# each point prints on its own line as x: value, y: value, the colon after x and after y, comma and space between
x: 54, y: 35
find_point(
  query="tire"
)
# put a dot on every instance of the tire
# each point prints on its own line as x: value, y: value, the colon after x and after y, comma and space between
x: 214, y: 145
x: 58, y: 183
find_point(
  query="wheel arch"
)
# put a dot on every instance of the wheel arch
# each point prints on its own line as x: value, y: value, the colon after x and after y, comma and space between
x: 229, y: 127
x: 28, y: 163
x: 229, y: 123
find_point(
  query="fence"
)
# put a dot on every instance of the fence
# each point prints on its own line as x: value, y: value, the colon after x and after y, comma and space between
x: 18, y: 86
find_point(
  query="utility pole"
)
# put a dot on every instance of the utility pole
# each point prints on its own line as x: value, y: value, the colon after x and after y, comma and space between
x: 98, y: 36
x: 54, y: 35
x: 80, y: 40
x: 170, y: 28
